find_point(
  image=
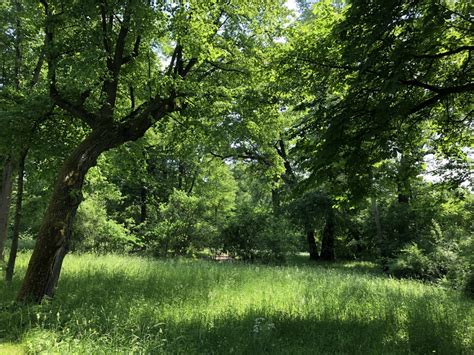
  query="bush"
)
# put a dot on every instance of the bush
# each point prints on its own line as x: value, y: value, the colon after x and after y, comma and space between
x: 253, y: 235
x: 182, y: 227
x: 442, y: 263
x: 95, y: 231
x: 411, y: 262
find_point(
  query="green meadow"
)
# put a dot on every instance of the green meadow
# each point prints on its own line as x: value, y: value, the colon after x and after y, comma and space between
x: 120, y: 304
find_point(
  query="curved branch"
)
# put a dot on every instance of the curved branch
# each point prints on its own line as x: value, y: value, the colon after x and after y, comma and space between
x: 444, y: 54
x: 440, y: 90
x: 76, y: 110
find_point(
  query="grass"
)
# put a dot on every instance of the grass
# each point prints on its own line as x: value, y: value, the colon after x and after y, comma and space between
x: 119, y: 304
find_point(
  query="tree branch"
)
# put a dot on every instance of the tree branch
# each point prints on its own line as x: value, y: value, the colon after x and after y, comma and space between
x: 76, y: 110
x: 135, y: 51
x: 440, y: 90
x: 110, y: 85
x: 227, y: 69
x: 105, y: 32
x: 39, y: 65
x: 444, y: 54
x: 245, y: 156
x: 424, y: 104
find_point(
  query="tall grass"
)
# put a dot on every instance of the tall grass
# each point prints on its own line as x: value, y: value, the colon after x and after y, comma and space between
x: 110, y: 304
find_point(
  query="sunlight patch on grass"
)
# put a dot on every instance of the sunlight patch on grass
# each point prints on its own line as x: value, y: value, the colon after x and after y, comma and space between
x: 11, y: 349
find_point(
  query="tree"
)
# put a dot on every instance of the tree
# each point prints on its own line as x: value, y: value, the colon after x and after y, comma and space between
x: 311, y: 209
x: 93, y: 69
x: 402, y: 66
x: 22, y: 110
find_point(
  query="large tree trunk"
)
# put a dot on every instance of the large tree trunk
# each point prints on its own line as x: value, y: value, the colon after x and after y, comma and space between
x: 329, y: 234
x: 54, y: 234
x: 5, y: 197
x: 312, y: 248
x: 18, y: 212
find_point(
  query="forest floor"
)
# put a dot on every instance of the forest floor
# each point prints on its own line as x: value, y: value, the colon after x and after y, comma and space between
x: 111, y: 304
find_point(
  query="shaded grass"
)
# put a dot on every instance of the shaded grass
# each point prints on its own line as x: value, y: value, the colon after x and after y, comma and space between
x: 110, y: 304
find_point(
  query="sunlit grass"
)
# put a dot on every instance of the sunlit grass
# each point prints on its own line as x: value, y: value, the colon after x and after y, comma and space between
x: 110, y: 304
x: 11, y: 349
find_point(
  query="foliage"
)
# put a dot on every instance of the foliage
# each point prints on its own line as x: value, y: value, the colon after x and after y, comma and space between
x: 412, y: 262
x: 253, y: 235
x: 181, y: 229
x: 442, y: 264
x: 95, y: 231
x: 310, y: 210
x: 95, y: 228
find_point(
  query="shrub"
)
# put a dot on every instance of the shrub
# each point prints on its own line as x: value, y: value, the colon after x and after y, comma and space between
x: 95, y: 231
x: 442, y: 263
x: 411, y: 262
x: 182, y: 227
x: 253, y: 235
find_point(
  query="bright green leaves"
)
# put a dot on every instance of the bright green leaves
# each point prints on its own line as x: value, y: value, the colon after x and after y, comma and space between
x: 370, y: 77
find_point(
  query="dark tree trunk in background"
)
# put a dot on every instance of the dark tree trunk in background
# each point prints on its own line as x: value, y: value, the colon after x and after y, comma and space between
x: 18, y: 213
x: 329, y: 234
x: 5, y: 197
x: 355, y: 235
x: 402, y: 198
x: 143, y: 204
x: 403, y: 180
x: 378, y: 225
x: 312, y: 248
x: 275, y: 201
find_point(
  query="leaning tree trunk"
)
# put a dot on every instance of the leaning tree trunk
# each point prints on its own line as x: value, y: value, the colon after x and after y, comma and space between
x: 327, y: 243
x: 54, y: 234
x: 312, y: 248
x: 18, y: 212
x: 5, y: 197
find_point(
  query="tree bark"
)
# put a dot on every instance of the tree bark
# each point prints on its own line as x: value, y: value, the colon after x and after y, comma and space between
x: 18, y: 213
x: 312, y: 248
x: 275, y: 201
x: 18, y: 39
x: 5, y: 197
x: 143, y: 204
x: 378, y: 225
x: 329, y: 234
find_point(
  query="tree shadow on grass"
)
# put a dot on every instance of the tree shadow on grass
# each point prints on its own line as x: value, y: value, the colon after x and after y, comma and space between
x: 260, y: 333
